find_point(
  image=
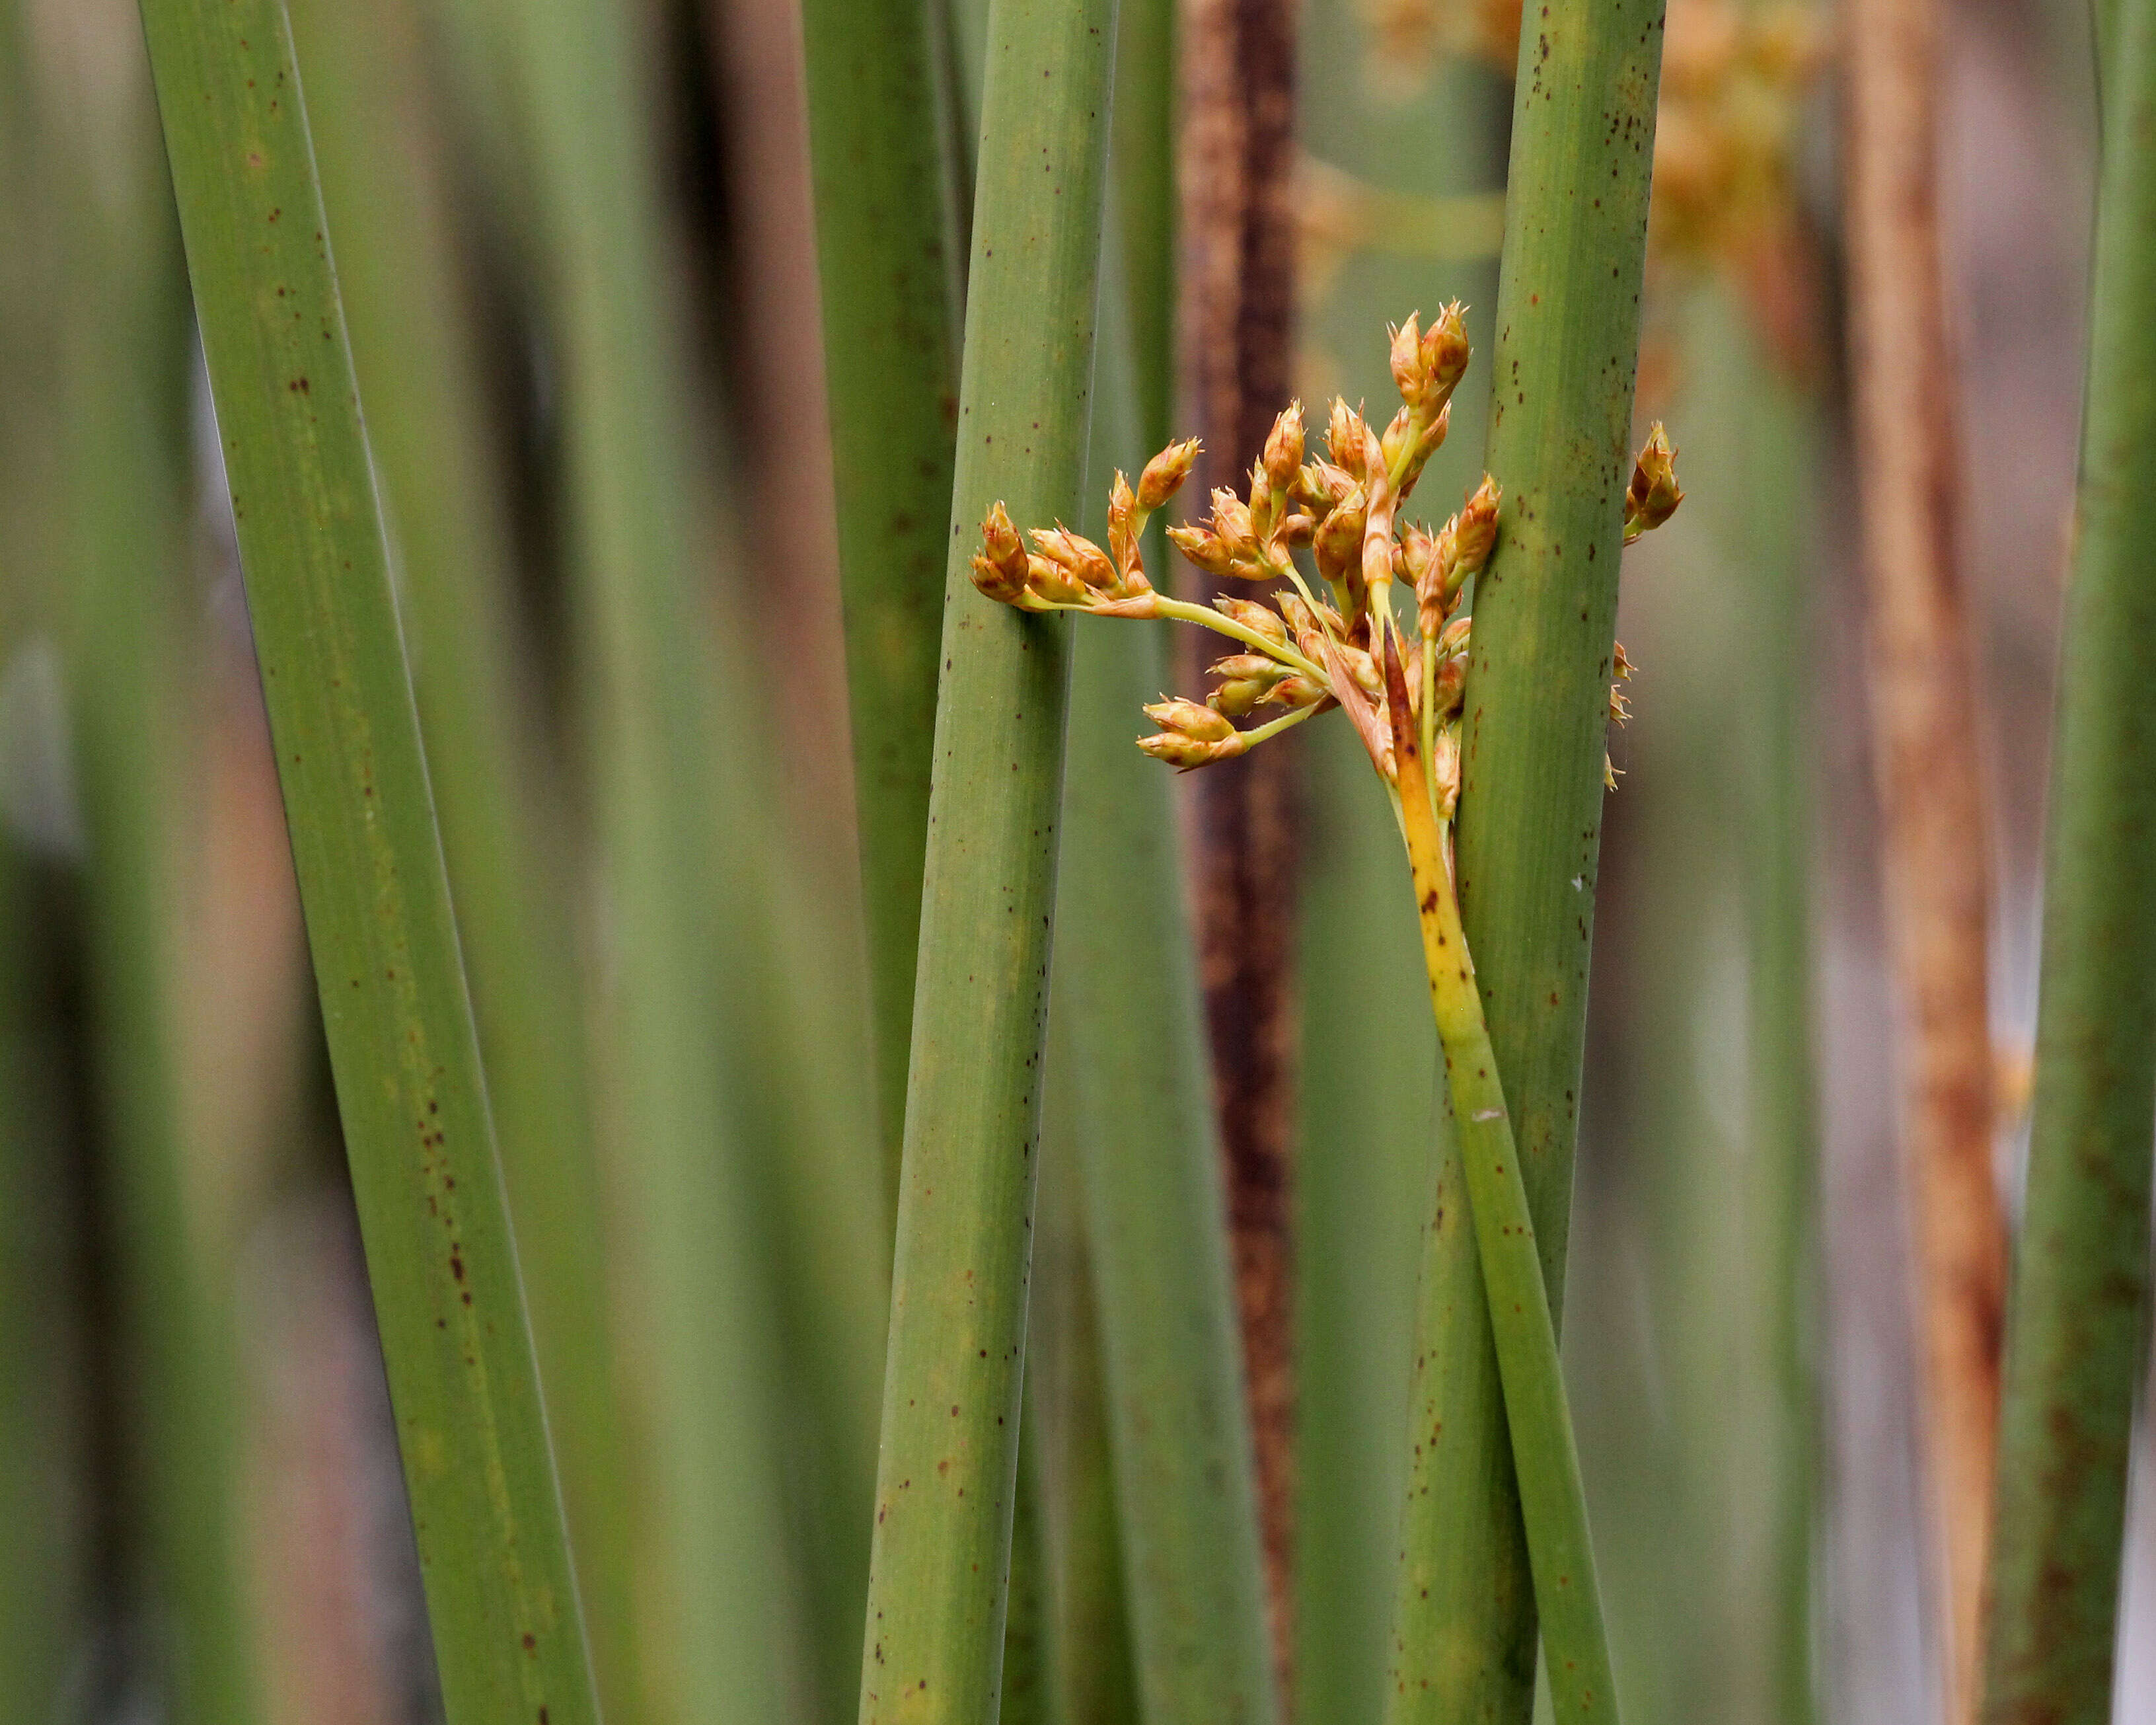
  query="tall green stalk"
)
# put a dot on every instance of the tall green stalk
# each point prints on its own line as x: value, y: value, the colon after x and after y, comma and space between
x: 1144, y: 1129
x: 123, y: 462
x: 1368, y: 1075
x: 500, y: 1591
x: 675, y: 831
x: 889, y: 337
x: 377, y: 146
x: 953, y: 1375
x: 2078, y: 1316
x: 1537, y: 694
x: 45, y: 1590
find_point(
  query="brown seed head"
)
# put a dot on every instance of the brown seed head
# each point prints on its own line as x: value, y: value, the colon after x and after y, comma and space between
x: 1165, y: 472
x: 1231, y: 522
x: 1258, y: 619
x: 1444, y: 350
x: 1654, y: 494
x: 1122, y: 527
x: 1188, y: 719
x: 1205, y: 549
x: 1407, y: 370
x: 1188, y: 752
x: 1283, y: 455
x: 1079, y: 557
x: 1347, y: 441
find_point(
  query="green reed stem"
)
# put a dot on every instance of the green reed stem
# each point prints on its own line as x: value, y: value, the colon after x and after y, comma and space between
x: 123, y: 466
x: 672, y: 832
x: 1367, y: 1075
x: 500, y: 1591
x: 46, y: 1588
x: 1545, y: 1461
x: 1143, y: 1124
x: 379, y: 156
x: 2077, y: 1317
x: 1568, y: 336
x: 890, y: 338
x: 953, y: 1375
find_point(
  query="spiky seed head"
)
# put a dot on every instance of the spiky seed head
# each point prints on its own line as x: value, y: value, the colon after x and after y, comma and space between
x: 1079, y: 557
x: 1122, y: 527
x: 1444, y: 349
x: 1204, y: 548
x: 1453, y: 643
x: 1654, y: 494
x: 996, y: 582
x: 1186, y: 753
x: 1295, y: 692
x: 1448, y: 686
x: 1241, y: 665
x: 1165, y: 472
x: 1050, y: 580
x: 1189, y: 718
x: 1475, y: 527
x: 1407, y: 370
x: 1238, y: 697
x: 1283, y: 455
x: 1339, y: 540
x: 1621, y: 664
x: 1259, y: 619
x: 1620, y: 710
x: 1231, y: 522
x: 1347, y: 439
x: 1000, y: 543
x: 1323, y: 486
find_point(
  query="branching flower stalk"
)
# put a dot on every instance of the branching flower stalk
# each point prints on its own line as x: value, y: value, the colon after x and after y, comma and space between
x: 1403, y: 689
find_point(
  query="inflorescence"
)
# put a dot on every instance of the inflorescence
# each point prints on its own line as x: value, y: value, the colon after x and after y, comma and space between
x: 1295, y: 650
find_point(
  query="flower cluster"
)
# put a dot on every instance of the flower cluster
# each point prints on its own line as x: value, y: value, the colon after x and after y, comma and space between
x: 1300, y: 647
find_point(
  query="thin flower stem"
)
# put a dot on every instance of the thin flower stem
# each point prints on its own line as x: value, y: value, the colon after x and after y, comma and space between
x: 1183, y: 611
x: 1575, y: 1645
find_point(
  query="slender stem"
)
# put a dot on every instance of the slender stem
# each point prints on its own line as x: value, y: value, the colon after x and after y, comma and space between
x: 1575, y: 1645
x: 2077, y: 1328
x: 123, y: 462
x: 378, y: 151
x: 666, y: 731
x: 500, y: 1591
x: 1935, y: 839
x: 1131, y: 1015
x: 937, y: 1579
x: 873, y: 93
x: 1568, y: 336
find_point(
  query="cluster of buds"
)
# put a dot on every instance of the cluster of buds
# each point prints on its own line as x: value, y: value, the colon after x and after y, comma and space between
x: 1302, y: 648
x: 1067, y: 572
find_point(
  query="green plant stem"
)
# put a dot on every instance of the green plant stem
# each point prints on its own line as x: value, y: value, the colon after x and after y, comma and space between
x: 500, y: 1591
x: 1575, y: 1645
x: 1432, y: 164
x: 380, y: 166
x: 2077, y: 1318
x: 889, y: 342
x: 46, y: 1588
x: 676, y: 840
x: 1091, y: 1677
x: 123, y: 464
x: 1157, y: 1224
x: 952, y: 1374
x: 1567, y: 341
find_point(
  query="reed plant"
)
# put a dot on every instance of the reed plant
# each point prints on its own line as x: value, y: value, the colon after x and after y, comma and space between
x: 409, y: 298
x: 2077, y: 1322
x: 952, y: 1378
x: 501, y: 1591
